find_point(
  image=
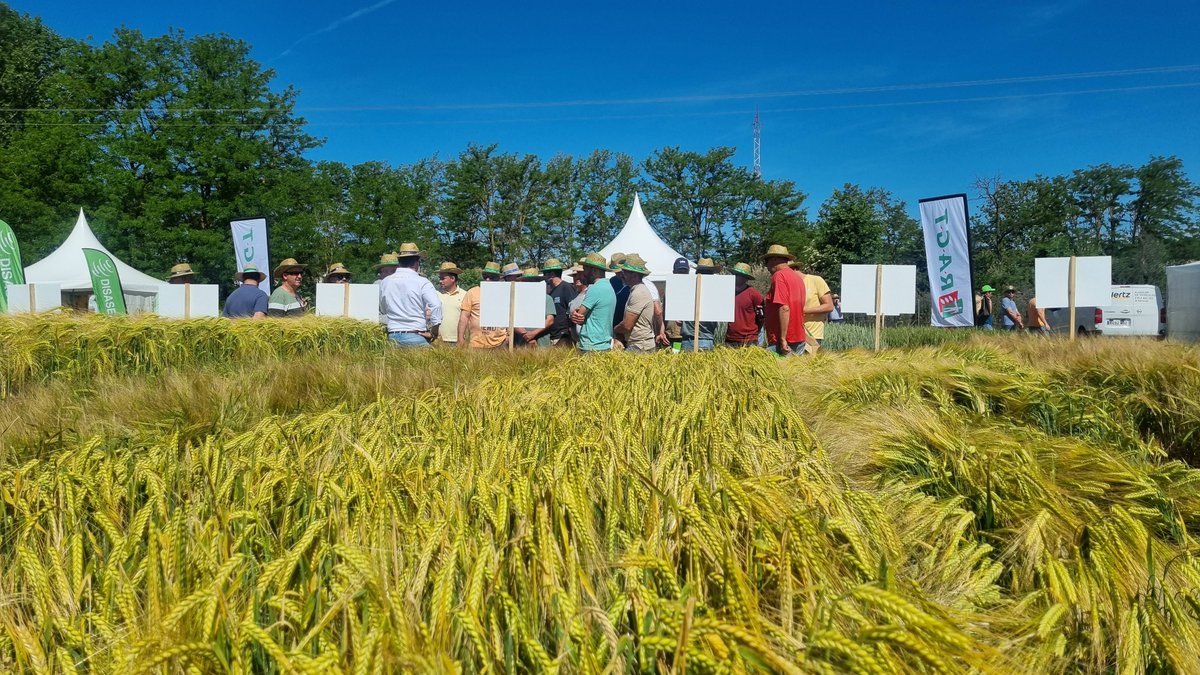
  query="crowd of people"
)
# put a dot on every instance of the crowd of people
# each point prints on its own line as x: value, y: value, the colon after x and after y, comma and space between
x: 607, y: 304
x: 1010, y: 317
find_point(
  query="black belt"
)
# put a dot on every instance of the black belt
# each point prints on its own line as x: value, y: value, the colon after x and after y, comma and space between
x: 404, y: 332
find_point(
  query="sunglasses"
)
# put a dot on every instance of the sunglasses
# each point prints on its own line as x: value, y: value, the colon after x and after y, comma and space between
x: 293, y: 273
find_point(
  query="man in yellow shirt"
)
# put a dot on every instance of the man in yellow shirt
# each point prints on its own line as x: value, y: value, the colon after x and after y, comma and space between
x: 818, y: 303
x: 470, y: 333
x: 451, y: 295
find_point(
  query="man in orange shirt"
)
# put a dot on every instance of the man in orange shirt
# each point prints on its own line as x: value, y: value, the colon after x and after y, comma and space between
x: 468, y: 320
x: 785, y: 304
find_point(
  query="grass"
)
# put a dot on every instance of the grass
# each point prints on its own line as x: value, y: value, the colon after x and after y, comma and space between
x: 325, y: 505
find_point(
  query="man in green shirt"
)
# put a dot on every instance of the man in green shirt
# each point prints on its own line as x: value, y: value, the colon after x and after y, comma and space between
x: 595, y: 315
x: 286, y: 301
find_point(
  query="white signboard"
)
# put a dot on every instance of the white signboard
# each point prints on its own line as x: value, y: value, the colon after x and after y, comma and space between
x: 250, y: 246
x: 899, y: 294
x: 1093, y: 281
x: 355, y: 301
x: 530, y: 305
x: 944, y: 222
x: 44, y: 297
x: 188, y: 301
x: 716, y: 297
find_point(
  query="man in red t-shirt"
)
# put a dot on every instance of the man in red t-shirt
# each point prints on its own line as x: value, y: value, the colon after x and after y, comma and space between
x: 747, y: 310
x: 785, y: 304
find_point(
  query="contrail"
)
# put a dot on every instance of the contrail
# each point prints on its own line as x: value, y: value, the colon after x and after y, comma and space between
x: 337, y: 24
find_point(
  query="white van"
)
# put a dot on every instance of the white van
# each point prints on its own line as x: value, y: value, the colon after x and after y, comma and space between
x: 1134, y: 310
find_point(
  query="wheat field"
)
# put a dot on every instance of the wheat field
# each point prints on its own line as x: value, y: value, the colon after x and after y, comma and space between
x: 270, y: 497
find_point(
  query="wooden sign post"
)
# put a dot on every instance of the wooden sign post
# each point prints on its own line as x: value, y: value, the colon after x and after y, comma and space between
x: 878, y: 306
x: 512, y: 309
x: 1071, y: 295
x: 187, y: 301
x: 696, y: 324
x: 33, y: 298
x: 346, y: 301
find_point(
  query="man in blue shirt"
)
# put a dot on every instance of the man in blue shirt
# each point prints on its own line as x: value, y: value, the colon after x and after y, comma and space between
x: 247, y: 301
x: 1011, y: 316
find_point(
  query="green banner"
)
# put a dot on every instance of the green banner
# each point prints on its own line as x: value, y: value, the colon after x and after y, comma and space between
x: 11, y: 271
x: 106, y: 283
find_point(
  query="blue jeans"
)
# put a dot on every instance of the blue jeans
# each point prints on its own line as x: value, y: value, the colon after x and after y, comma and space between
x: 408, y: 340
x: 797, y: 349
x: 706, y: 344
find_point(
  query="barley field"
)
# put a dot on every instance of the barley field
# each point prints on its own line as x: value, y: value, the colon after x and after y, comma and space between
x: 296, y: 497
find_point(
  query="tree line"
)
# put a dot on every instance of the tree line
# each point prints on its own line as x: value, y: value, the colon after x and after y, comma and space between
x: 163, y: 140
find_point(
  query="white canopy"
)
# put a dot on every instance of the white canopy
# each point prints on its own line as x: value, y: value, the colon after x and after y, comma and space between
x: 638, y: 237
x: 66, y: 265
x: 1183, y: 302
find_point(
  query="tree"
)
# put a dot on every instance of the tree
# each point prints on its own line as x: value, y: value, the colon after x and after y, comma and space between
x: 603, y: 190
x: 775, y: 214
x: 698, y: 198
x: 849, y: 230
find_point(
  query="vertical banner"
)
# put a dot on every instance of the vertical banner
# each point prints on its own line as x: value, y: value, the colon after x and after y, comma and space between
x: 948, y: 254
x: 106, y: 283
x: 11, y: 271
x: 250, y: 246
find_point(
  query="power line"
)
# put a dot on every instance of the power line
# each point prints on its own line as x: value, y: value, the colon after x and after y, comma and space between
x: 707, y: 98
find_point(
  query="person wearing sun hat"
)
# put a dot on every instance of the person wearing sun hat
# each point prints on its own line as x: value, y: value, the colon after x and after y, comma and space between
x: 386, y: 266
x: 561, y: 294
x: 470, y: 333
x: 535, y: 337
x: 620, y: 288
x: 337, y: 274
x: 511, y: 272
x: 984, y: 308
x: 641, y: 326
x: 1010, y: 316
x: 595, y: 314
x: 708, y: 329
x: 181, y: 274
x: 747, y: 310
x: 285, y: 300
x: 451, y: 295
x: 409, y: 303
x: 784, y: 304
x: 247, y: 301
x: 818, y: 303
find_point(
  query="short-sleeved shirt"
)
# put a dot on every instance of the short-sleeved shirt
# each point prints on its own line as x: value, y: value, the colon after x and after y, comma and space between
x: 601, y: 303
x: 787, y: 288
x: 480, y: 338
x: 814, y: 288
x: 1007, y: 305
x: 245, y: 301
x: 746, y: 307
x: 285, y: 303
x: 621, y: 292
x: 561, y: 295
x: 451, y: 309
x: 641, y: 303
x: 404, y: 298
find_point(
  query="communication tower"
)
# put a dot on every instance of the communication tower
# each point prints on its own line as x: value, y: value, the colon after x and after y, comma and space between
x: 757, y: 146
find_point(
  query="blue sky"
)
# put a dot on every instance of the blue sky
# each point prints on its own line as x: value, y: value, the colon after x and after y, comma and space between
x: 398, y: 81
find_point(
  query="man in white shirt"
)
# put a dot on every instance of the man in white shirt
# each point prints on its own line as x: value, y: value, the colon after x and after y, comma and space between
x: 404, y: 298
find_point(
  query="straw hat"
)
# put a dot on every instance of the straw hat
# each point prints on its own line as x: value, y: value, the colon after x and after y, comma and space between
x: 634, y: 263
x: 778, y: 251
x: 492, y: 267
x: 386, y: 260
x: 409, y: 250
x: 181, y: 270
x: 706, y: 265
x: 576, y: 268
x: 742, y: 269
x: 552, y: 264
x: 1008, y: 289
x: 250, y: 271
x: 614, y: 262
x: 510, y: 269
x: 449, y: 268
x: 594, y: 260
x: 288, y: 264
x: 531, y: 274
x: 337, y: 268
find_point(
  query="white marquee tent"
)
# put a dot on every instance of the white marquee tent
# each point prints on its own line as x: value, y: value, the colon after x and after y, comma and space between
x: 67, y: 267
x: 638, y: 237
x: 1183, y: 302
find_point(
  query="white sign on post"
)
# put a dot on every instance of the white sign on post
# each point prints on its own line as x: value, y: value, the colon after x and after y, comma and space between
x: 529, y: 306
x: 898, y: 294
x: 24, y: 298
x: 354, y: 301
x: 716, y: 297
x: 188, y: 301
x: 1093, y: 281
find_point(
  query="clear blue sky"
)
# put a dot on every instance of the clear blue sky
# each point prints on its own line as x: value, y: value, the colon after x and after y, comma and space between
x: 691, y: 73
